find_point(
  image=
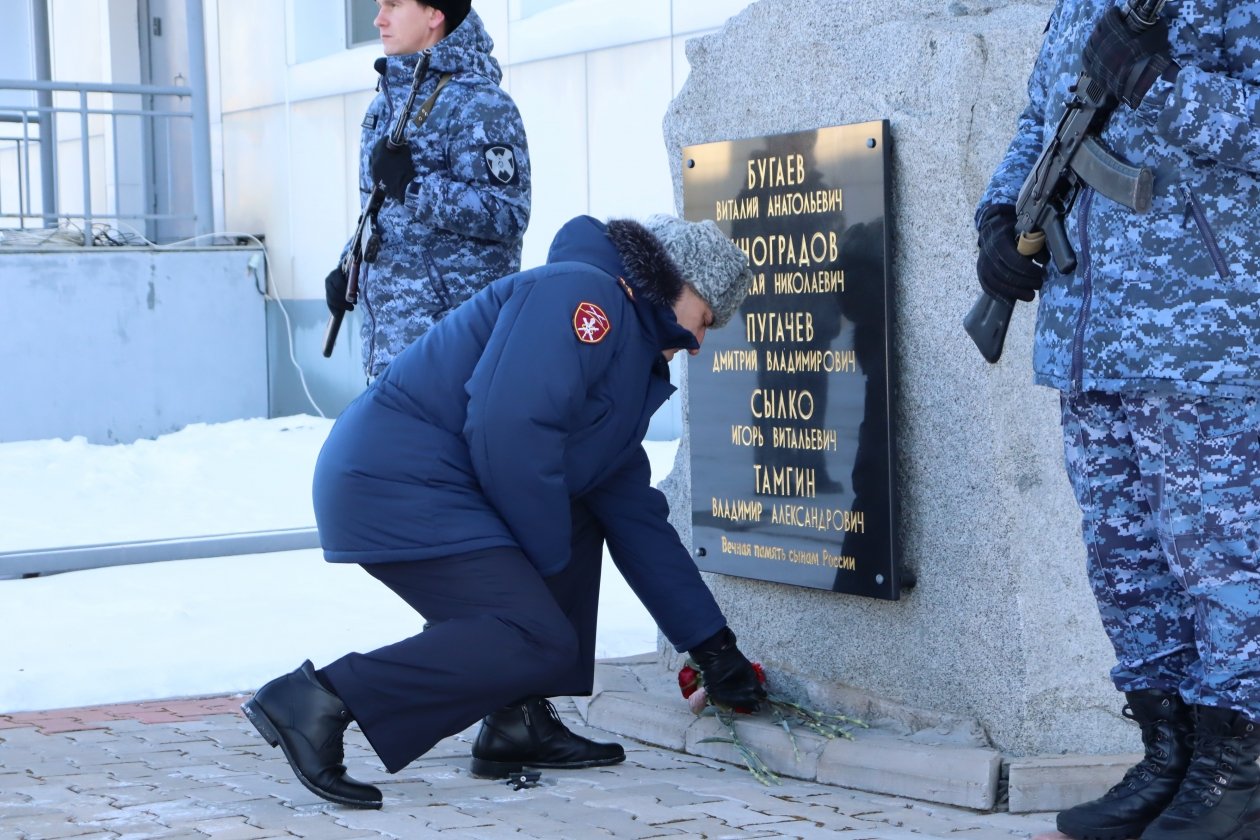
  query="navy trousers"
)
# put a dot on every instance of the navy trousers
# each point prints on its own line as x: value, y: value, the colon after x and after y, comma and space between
x: 499, y: 633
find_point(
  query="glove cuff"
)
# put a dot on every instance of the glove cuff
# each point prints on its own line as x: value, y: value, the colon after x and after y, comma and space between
x: 719, y: 641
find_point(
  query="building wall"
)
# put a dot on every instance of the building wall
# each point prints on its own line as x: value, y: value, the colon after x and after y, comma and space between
x: 592, y: 79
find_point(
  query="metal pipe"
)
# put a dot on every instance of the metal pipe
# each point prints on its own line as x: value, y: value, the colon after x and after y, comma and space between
x: 203, y: 196
x: 87, y: 170
x: 93, y: 87
x: 15, y: 564
x: 47, y: 123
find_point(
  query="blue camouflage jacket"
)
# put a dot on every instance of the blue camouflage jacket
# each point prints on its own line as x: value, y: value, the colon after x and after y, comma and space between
x: 1168, y: 300
x: 465, y: 213
x: 535, y: 393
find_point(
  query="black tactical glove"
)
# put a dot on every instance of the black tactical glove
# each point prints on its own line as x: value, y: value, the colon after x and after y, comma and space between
x: 728, y: 677
x: 1003, y: 271
x: 335, y: 291
x: 1125, y: 62
x: 393, y: 168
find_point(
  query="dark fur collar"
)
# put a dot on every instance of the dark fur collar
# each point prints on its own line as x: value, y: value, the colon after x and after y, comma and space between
x: 651, y: 271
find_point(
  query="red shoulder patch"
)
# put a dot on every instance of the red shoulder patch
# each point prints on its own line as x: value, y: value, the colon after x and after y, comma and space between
x: 590, y: 323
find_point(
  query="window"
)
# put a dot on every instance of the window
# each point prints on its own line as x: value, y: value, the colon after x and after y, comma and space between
x: 359, y: 17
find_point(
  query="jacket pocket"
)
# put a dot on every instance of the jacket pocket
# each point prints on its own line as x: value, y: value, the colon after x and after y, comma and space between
x: 434, y: 294
x: 1228, y: 455
x: 1195, y: 210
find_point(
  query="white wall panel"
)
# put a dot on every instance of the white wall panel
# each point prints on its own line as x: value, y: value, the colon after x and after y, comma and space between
x: 628, y: 90
x: 252, y: 54
x: 551, y: 96
x: 78, y: 48
x: 584, y: 25
x: 257, y: 190
x: 317, y: 198
x: 494, y: 16
x: 690, y: 16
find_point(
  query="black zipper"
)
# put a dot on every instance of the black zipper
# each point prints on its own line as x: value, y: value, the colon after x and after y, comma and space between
x: 1193, y: 208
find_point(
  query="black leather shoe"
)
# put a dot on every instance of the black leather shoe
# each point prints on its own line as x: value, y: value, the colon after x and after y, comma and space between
x: 307, y: 721
x: 1133, y: 804
x: 532, y: 735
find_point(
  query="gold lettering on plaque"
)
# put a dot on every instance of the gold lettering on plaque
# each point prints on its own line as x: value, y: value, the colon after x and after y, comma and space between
x: 773, y: 404
x: 737, y: 510
x: 779, y: 326
x: 785, y: 481
x: 724, y: 360
x: 747, y: 435
x: 776, y: 171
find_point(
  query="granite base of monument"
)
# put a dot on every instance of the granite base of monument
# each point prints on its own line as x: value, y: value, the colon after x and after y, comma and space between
x: 906, y: 752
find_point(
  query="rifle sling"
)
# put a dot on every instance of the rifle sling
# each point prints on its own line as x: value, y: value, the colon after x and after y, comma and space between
x: 423, y: 113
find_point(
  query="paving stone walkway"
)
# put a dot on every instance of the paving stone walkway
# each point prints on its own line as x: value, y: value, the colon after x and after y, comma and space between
x: 197, y: 769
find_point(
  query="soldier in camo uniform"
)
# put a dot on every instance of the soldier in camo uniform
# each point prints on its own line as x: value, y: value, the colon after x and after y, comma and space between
x: 458, y: 194
x: 1154, y: 345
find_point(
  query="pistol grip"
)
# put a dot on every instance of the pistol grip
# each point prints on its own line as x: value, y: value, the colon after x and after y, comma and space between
x: 1030, y: 244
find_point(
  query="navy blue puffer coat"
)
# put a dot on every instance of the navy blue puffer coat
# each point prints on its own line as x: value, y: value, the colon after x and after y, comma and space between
x: 534, y: 393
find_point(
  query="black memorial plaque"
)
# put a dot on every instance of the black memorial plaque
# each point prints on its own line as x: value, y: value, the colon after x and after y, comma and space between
x: 789, y: 405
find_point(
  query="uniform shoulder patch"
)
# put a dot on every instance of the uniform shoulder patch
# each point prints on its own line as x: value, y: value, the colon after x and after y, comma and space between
x: 590, y: 324
x: 501, y: 161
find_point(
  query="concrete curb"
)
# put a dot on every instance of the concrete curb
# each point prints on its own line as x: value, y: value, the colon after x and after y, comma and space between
x: 633, y: 697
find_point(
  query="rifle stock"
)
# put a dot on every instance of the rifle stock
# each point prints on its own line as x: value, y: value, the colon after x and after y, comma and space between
x: 986, y: 323
x: 330, y: 332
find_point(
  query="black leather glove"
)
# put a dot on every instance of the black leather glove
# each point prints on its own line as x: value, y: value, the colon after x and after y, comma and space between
x: 728, y: 676
x: 393, y: 168
x: 1125, y: 62
x: 1003, y: 271
x: 335, y: 291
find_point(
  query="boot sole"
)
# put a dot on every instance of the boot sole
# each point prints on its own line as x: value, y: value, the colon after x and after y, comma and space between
x: 267, y: 729
x: 485, y: 769
x: 1086, y: 833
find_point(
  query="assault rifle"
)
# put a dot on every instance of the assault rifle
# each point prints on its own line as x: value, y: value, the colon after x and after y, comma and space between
x: 1071, y: 158
x: 366, y: 242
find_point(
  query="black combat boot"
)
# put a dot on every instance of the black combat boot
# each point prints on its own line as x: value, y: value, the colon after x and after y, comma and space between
x: 1133, y: 804
x: 532, y: 735
x: 1220, y: 798
x: 307, y: 721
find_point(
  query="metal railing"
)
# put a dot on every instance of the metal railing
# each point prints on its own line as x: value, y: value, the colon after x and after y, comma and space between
x: 158, y: 138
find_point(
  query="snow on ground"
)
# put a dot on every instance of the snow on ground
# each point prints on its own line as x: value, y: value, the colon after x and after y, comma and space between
x: 195, y: 627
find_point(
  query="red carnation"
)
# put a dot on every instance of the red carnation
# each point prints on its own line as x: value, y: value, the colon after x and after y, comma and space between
x: 688, y: 680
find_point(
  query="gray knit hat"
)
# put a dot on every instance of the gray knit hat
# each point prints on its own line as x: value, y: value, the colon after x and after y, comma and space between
x: 710, y: 263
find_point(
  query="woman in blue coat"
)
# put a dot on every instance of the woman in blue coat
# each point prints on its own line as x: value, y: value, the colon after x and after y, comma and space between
x: 479, y: 478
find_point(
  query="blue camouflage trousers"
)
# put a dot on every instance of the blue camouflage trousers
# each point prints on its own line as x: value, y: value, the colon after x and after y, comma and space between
x: 1169, y: 491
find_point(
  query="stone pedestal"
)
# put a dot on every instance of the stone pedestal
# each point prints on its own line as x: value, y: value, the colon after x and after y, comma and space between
x: 1001, y: 629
